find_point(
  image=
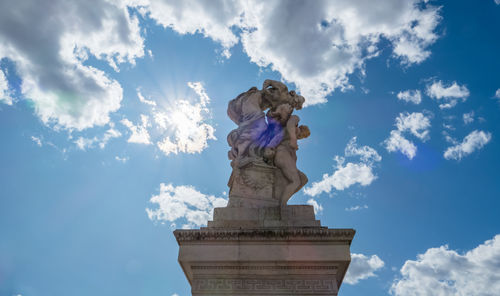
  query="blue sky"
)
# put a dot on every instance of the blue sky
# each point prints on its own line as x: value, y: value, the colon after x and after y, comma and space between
x: 113, y: 125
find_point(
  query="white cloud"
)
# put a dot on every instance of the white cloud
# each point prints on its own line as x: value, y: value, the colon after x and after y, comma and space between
x: 37, y: 140
x: 212, y: 19
x: 362, y: 267
x: 5, y: 96
x: 330, y: 42
x: 472, y: 142
x: 416, y: 123
x: 468, y: 117
x: 334, y: 39
x: 448, y: 95
x: 497, y: 2
x: 140, y: 134
x: 121, y: 159
x: 144, y: 100
x: 108, y: 135
x: 441, y: 271
x: 497, y: 93
x: 318, y: 208
x: 366, y: 153
x: 85, y: 143
x: 396, y: 142
x: 449, y: 138
x: 50, y: 50
x: 413, y: 96
x: 187, y: 124
x: 183, y: 202
x: 345, y: 176
x: 356, y: 208
x: 342, y: 178
x: 448, y: 126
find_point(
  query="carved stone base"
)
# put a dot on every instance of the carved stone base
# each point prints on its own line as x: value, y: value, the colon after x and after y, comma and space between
x: 272, y: 261
x: 294, y: 215
x: 253, y: 185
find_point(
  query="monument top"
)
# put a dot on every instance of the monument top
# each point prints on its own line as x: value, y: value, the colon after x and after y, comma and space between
x: 259, y: 245
x: 263, y: 146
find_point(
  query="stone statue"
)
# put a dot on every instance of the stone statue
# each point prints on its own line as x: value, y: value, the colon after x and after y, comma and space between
x: 257, y: 244
x: 263, y: 147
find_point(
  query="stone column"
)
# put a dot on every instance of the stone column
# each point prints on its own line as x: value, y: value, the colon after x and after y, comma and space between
x: 264, y: 251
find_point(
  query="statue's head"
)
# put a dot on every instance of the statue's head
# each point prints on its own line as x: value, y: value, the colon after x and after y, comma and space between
x: 276, y: 93
x: 296, y: 100
x: 303, y: 132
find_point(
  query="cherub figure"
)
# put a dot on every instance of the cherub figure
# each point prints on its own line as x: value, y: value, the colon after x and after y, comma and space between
x: 285, y: 158
x: 281, y: 147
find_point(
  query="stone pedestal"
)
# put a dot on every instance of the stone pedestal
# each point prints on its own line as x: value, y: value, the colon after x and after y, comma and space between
x: 264, y: 251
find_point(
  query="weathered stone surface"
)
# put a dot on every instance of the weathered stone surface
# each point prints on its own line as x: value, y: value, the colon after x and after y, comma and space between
x: 294, y: 215
x: 280, y: 261
x: 253, y: 186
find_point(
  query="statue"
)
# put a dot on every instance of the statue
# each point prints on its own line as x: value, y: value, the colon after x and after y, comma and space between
x: 258, y: 244
x: 263, y: 146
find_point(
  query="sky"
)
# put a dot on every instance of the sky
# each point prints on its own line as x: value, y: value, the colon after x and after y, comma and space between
x: 113, y: 133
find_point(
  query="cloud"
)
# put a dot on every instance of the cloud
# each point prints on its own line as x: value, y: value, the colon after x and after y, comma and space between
x: 187, y: 124
x: 342, y: 178
x: 413, y: 96
x: 449, y: 138
x: 37, y: 140
x: 140, y: 134
x: 85, y: 143
x: 441, y: 271
x: 183, y: 202
x: 497, y: 2
x: 417, y: 124
x: 50, y: 50
x: 468, y: 117
x: 213, y: 20
x: 472, y: 142
x: 5, y: 96
x: 448, y: 95
x: 362, y: 267
x: 366, y: 153
x: 497, y: 93
x: 143, y: 100
x: 108, y: 135
x: 333, y: 40
x: 121, y: 159
x: 356, y: 208
x: 345, y: 176
x: 396, y: 142
x: 318, y: 208
x: 330, y: 42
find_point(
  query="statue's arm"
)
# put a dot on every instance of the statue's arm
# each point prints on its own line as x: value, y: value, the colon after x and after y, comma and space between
x: 291, y: 126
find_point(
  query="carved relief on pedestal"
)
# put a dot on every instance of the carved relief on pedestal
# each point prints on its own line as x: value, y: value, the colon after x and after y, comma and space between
x: 266, y: 285
x: 252, y: 186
